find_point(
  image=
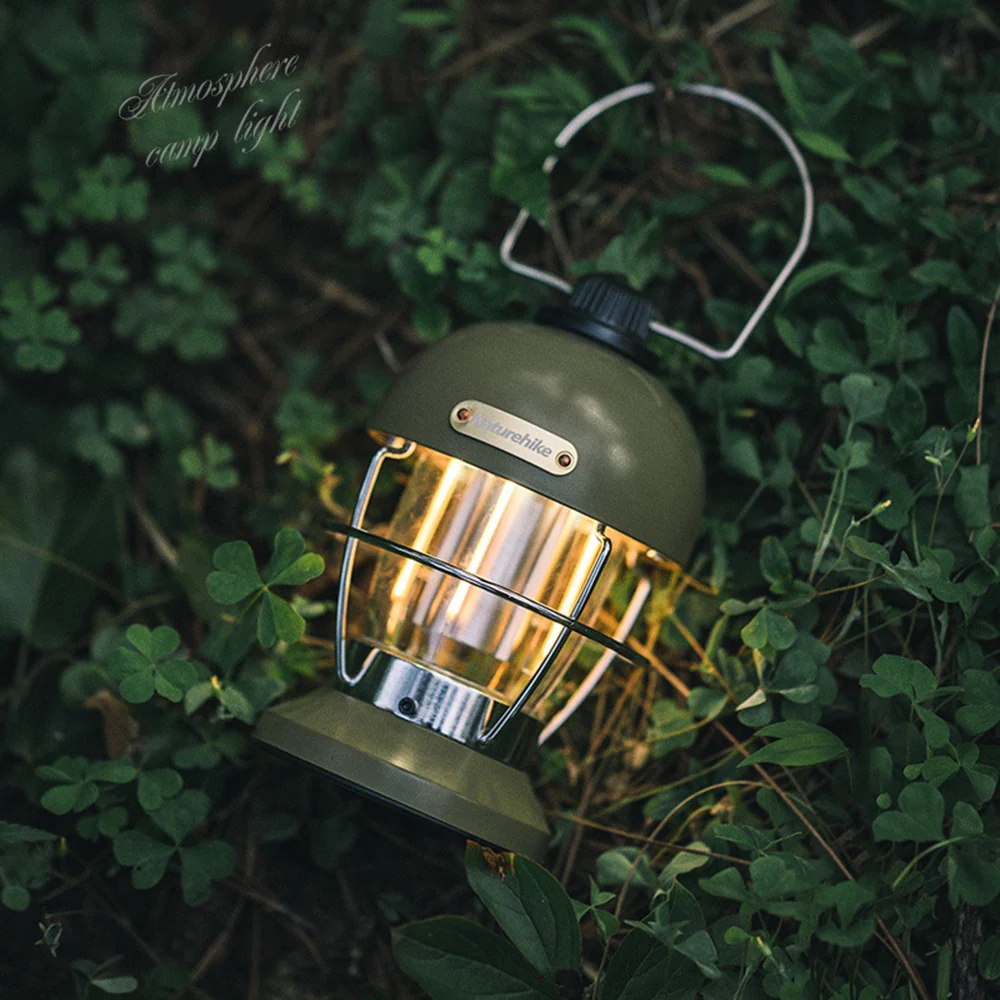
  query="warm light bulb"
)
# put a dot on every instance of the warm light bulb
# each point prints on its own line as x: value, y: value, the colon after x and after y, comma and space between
x: 502, y: 532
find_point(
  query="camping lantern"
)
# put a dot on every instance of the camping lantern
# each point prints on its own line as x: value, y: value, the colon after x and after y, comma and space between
x: 546, y: 464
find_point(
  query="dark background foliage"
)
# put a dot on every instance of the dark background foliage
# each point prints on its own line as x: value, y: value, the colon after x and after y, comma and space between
x: 188, y: 351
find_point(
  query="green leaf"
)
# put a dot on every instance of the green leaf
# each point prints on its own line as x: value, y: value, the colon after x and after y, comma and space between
x: 920, y: 816
x: 986, y: 107
x: 174, y: 678
x: 775, y: 565
x: 115, y: 985
x: 767, y: 627
x: 796, y: 744
x: 788, y: 87
x: 455, y: 959
x: 972, y: 499
x: 182, y: 814
x: 644, y: 969
x: 202, y: 865
x: 155, y: 787
x: 236, y: 575
x: 278, y: 620
x: 981, y: 694
x: 989, y: 958
x: 18, y: 833
x: 530, y: 906
x: 906, y: 411
x: 63, y: 798
x: 823, y: 145
x: 864, y: 398
x: 814, y: 274
x: 15, y: 897
x: 145, y: 855
x: 235, y: 702
x: 896, y: 675
x: 722, y: 174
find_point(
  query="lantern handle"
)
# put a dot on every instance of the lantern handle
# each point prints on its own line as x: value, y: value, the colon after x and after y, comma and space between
x: 700, y: 90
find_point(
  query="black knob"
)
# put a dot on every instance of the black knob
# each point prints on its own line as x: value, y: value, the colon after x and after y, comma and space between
x: 605, y: 309
x: 612, y: 303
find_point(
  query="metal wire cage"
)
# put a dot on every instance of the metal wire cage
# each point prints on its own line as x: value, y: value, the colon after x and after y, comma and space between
x: 487, y: 585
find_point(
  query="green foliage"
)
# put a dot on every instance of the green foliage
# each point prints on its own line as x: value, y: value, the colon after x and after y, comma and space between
x: 187, y: 356
x: 237, y: 582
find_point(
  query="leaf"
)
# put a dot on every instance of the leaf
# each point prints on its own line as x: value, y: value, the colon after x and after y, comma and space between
x: 906, y: 411
x: 529, y: 905
x: 119, y: 772
x: 701, y: 950
x: 986, y: 107
x: 775, y: 565
x: 972, y: 499
x: 202, y: 865
x: 178, y: 816
x: 455, y: 959
x: 235, y: 575
x: 115, y: 985
x: 767, y: 627
x: 155, y: 787
x: 278, y: 620
x: 864, y: 398
x: 813, y: 274
x: 989, y: 958
x: 894, y: 675
x: 644, y: 969
x: 920, y: 816
x: 796, y: 744
x: 235, y: 702
x: 18, y: 833
x: 63, y: 798
x: 823, y: 146
x: 145, y: 855
x: 174, y: 678
x: 788, y: 87
x: 981, y: 694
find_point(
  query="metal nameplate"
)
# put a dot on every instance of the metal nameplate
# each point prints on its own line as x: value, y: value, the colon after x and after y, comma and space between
x: 517, y: 437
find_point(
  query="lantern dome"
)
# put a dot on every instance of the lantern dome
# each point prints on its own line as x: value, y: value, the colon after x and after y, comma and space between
x: 631, y: 459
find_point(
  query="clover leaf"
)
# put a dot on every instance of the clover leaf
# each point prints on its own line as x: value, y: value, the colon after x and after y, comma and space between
x: 41, y: 333
x: 152, y: 666
x: 236, y: 580
x: 76, y: 782
x: 148, y: 856
x: 213, y: 463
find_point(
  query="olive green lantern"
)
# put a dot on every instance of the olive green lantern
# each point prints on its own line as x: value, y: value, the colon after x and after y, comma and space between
x: 546, y: 462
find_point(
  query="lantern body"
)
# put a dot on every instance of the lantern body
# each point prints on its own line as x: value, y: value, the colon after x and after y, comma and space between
x: 544, y: 468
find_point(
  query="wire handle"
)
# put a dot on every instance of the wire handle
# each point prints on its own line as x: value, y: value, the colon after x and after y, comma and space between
x: 701, y: 90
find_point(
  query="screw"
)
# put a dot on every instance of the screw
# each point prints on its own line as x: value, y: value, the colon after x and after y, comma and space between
x: 463, y: 414
x: 407, y: 706
x: 565, y: 459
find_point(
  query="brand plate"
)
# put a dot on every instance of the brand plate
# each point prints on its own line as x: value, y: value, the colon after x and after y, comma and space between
x: 517, y: 437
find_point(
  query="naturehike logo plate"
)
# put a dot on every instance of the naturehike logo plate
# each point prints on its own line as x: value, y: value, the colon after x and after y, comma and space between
x: 515, y: 436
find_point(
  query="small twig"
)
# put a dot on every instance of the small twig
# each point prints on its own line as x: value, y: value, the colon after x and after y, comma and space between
x: 875, y: 31
x: 734, y: 18
x: 982, y: 376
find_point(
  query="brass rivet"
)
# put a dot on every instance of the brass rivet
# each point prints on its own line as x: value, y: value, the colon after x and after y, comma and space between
x: 463, y: 414
x: 565, y: 459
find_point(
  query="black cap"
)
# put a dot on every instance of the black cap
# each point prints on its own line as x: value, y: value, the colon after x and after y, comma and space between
x: 606, y: 309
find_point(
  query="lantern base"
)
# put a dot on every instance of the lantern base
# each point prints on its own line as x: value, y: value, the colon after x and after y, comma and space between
x: 379, y: 754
